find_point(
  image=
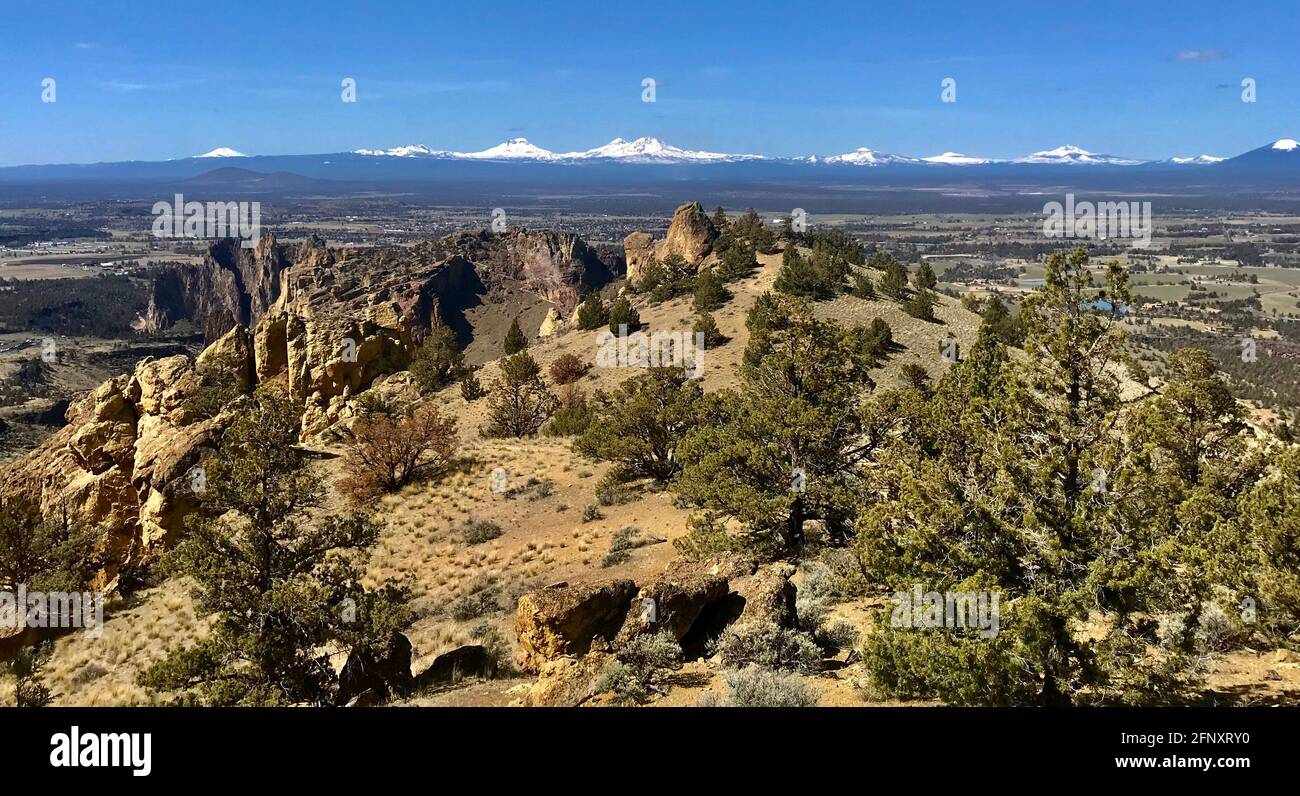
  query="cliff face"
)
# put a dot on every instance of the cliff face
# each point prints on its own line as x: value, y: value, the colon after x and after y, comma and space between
x: 233, y: 286
x: 557, y: 266
x: 124, y: 461
x: 329, y: 322
x: 237, y: 286
x: 347, y: 316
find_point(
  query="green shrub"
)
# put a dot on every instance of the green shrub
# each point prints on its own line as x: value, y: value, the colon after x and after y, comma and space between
x: 480, y: 531
x: 756, y: 687
x: 767, y: 645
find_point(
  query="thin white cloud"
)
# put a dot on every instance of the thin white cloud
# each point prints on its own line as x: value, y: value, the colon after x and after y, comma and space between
x: 126, y: 85
x: 1194, y: 56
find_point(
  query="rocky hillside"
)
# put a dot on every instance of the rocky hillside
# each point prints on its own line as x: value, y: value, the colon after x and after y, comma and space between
x: 328, y: 322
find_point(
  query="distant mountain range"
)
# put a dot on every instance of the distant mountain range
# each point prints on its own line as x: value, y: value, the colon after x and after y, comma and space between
x: 652, y: 150
x: 1271, y: 168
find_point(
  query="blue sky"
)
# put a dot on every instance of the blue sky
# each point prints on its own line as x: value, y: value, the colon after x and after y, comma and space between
x: 148, y: 81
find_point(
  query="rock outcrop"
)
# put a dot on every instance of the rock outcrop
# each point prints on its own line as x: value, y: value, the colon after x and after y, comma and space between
x: 770, y: 596
x: 673, y: 600
x: 471, y: 660
x: 638, y: 252
x: 691, y: 235
x: 562, y: 620
x: 381, y: 673
x: 124, y: 461
x: 330, y: 322
x: 233, y: 286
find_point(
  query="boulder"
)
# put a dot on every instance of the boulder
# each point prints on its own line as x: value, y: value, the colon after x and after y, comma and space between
x: 561, y: 620
x: 567, y: 682
x: 551, y: 323
x: 638, y: 252
x: 673, y: 600
x: 691, y: 234
x: 385, y: 669
x: 472, y: 660
x: 770, y: 596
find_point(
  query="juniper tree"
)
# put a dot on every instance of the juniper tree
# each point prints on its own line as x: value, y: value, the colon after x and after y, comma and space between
x: 515, y: 340
x: 54, y: 553
x: 438, y: 361
x: 520, y: 400
x: 623, y: 317
x: 924, y: 278
x: 800, y: 276
x: 640, y: 424
x: 707, y: 326
x: 783, y: 450
x: 710, y: 293
x: 894, y: 281
x: 592, y: 313
x: 1024, y: 478
x: 280, y: 578
x: 736, y: 261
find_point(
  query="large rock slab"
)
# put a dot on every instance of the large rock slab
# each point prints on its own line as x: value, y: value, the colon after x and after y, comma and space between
x: 673, y: 600
x: 561, y: 620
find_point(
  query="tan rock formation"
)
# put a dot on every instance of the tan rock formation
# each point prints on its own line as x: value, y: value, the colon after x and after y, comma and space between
x: 690, y: 234
x: 638, y: 252
x: 123, y: 461
x: 562, y: 620
x: 673, y: 600
x: 551, y: 323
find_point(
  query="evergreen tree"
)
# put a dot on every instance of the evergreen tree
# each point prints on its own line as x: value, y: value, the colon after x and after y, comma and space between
x: 281, y: 578
x: 640, y: 425
x: 592, y: 314
x: 801, y: 277
x: 894, y: 281
x: 53, y: 553
x: 1009, y: 481
x: 924, y: 278
x: 706, y: 325
x: 439, y: 361
x: 710, y: 293
x: 623, y: 317
x: 520, y: 400
x: 921, y: 305
x: 863, y: 287
x: 720, y: 222
x: 736, y: 261
x: 515, y: 340
x: 1001, y: 322
x: 784, y: 450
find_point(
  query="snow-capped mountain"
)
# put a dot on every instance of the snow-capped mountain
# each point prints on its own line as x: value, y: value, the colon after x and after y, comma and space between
x: 956, y: 159
x: 642, y: 150
x: 408, y: 151
x: 1074, y: 155
x: 1280, y: 159
x: 652, y: 150
x: 1198, y: 160
x: 1274, y: 164
x: 222, y: 152
x: 864, y: 156
x: 514, y: 149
